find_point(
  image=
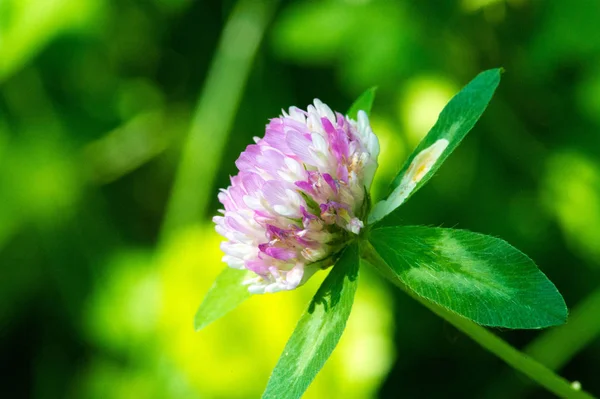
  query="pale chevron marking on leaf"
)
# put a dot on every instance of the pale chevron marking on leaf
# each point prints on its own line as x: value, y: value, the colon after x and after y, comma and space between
x: 418, y: 169
x: 480, y: 277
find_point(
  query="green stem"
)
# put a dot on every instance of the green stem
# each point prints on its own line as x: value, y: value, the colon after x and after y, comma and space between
x: 557, y: 346
x: 516, y: 359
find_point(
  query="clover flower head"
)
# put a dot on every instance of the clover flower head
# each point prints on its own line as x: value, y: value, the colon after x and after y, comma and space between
x: 299, y: 197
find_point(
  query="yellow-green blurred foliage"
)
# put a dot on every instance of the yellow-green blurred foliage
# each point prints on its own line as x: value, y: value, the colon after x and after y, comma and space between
x: 145, y: 308
x: 119, y: 121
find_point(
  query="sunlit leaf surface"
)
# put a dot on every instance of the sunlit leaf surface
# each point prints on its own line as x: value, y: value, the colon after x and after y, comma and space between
x: 317, y: 332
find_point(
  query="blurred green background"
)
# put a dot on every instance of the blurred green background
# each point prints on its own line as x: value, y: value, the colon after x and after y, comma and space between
x: 119, y: 121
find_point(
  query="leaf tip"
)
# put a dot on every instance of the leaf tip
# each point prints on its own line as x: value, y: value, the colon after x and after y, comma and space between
x: 199, y: 322
x: 364, y: 102
x: 563, y: 316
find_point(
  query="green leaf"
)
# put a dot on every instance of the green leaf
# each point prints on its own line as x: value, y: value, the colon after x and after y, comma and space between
x: 479, y: 277
x: 226, y: 294
x: 363, y: 102
x: 456, y: 120
x: 317, y: 332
